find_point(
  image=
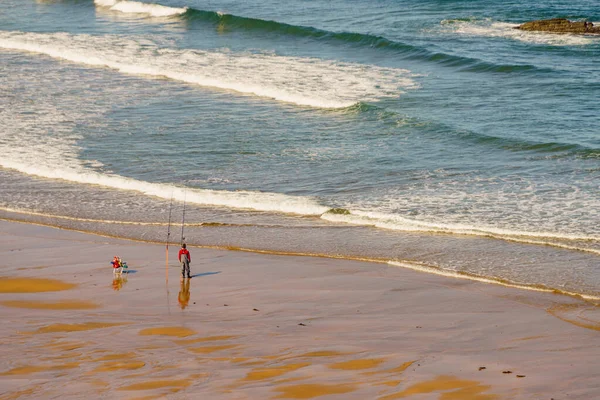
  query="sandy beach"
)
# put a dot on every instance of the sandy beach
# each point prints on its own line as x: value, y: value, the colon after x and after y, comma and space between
x: 261, y: 326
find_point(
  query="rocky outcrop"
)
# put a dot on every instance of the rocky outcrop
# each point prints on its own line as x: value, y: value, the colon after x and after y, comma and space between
x: 560, y: 25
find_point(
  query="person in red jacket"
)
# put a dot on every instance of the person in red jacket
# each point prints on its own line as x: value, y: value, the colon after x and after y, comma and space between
x: 185, y: 259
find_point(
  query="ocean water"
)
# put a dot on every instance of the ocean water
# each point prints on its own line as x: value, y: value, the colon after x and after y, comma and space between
x: 426, y: 134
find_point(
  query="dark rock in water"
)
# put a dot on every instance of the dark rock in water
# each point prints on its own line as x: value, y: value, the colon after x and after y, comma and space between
x: 560, y: 25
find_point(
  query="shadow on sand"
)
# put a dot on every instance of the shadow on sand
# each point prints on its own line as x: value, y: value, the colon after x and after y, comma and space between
x: 205, y: 274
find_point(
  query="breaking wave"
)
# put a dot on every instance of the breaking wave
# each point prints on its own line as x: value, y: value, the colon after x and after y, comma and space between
x: 153, y: 10
x: 303, y: 81
x: 488, y: 28
x: 229, y: 22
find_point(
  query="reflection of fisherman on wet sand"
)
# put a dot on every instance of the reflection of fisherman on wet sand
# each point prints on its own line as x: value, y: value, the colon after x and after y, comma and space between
x: 118, y: 282
x: 184, y: 293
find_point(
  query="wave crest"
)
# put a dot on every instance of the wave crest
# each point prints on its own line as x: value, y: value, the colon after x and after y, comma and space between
x: 400, y: 223
x: 304, y: 81
x: 135, y: 7
x: 488, y: 28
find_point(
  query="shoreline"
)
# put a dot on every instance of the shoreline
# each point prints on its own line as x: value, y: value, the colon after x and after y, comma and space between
x: 272, y: 326
x: 411, y: 265
x: 565, y: 265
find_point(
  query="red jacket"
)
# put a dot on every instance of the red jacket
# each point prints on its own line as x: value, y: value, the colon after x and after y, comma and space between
x: 186, y: 252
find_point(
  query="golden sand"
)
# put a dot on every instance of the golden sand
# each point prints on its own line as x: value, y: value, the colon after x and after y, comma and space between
x: 254, y: 362
x: 574, y: 314
x: 212, y: 349
x: 63, y: 346
x: 164, y: 367
x: 389, y: 383
x: 309, y: 391
x: 117, y: 356
x: 151, y: 347
x: 99, y: 382
x: 76, y: 327
x: 120, y: 365
x: 397, y: 370
x: 449, y: 387
x: 268, y: 373
x: 288, y: 380
x: 157, y: 385
x: 168, y: 331
x: 19, y: 394
x: 357, y: 364
x: 61, y: 356
x: 230, y: 359
x: 529, y: 338
x: 323, y: 353
x: 60, y: 305
x: 274, y: 357
x: 401, y: 368
x: 31, y: 369
x: 32, y: 285
x: 133, y: 376
x: 205, y: 339
x: 32, y: 268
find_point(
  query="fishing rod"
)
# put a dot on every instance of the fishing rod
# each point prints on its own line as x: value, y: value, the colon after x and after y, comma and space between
x: 169, y: 236
x: 183, y: 219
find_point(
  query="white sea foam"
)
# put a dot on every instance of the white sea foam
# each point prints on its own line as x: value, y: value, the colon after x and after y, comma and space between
x: 455, y: 274
x: 260, y: 201
x: 303, y: 81
x: 135, y: 7
x: 40, y: 135
x: 32, y: 148
x: 488, y: 28
x: 105, y: 3
x: 400, y: 223
x: 57, y: 156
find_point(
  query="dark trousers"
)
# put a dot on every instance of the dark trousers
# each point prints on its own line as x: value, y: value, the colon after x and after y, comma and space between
x: 185, y: 266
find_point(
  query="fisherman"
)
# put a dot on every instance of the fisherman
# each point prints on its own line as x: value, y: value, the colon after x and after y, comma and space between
x: 185, y: 258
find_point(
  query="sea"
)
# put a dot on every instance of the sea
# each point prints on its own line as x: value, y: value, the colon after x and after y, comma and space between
x: 428, y: 134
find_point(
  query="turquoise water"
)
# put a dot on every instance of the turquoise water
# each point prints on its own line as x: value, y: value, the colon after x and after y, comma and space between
x: 431, y: 135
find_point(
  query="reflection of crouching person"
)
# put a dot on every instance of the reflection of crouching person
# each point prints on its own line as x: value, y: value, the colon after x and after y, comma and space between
x: 185, y: 259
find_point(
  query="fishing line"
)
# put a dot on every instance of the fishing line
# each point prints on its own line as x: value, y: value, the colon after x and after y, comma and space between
x: 183, y: 219
x: 168, y: 237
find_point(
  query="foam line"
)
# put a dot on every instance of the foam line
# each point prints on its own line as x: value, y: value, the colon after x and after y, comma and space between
x: 135, y: 7
x: 399, y: 223
x: 270, y: 202
x: 483, y: 279
x: 303, y: 81
x: 488, y: 28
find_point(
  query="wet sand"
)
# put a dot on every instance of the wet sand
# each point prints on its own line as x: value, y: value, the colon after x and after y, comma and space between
x: 259, y: 326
